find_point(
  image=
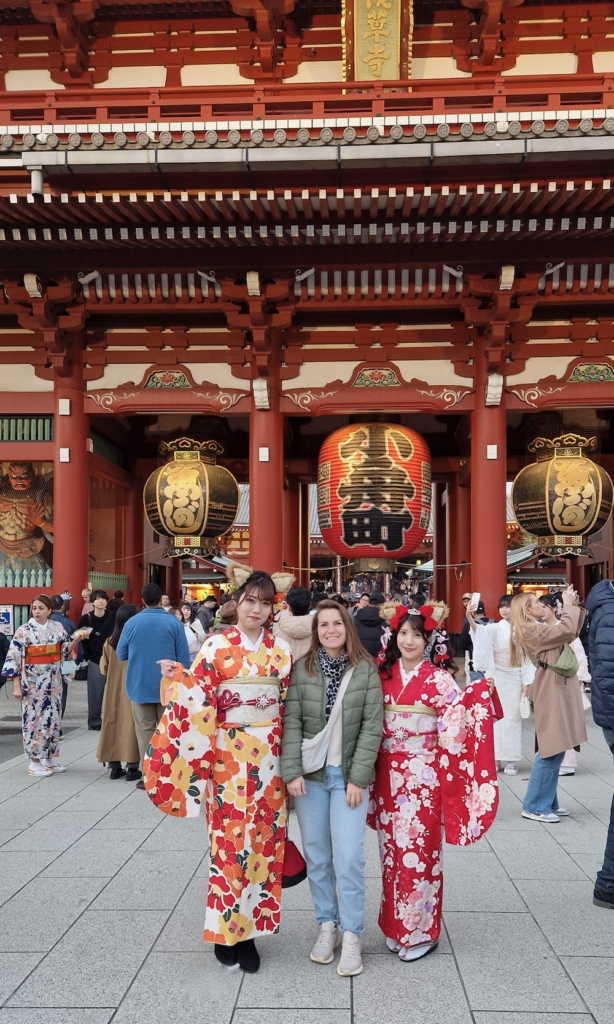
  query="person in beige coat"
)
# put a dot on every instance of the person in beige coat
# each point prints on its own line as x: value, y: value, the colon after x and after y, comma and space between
x: 117, y: 736
x: 295, y: 624
x: 557, y: 701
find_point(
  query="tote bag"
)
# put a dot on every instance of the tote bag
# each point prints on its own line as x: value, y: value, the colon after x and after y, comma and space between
x: 315, y: 750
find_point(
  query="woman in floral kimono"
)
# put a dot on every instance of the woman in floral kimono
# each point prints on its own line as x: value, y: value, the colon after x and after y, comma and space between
x: 34, y: 661
x: 436, y: 764
x: 220, y: 738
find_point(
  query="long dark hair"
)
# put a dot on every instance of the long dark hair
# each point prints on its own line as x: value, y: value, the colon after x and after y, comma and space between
x: 186, y: 604
x: 353, y: 646
x: 392, y: 652
x: 124, y: 612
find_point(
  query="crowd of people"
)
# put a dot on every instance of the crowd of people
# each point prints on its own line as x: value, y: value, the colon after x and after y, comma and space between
x: 352, y: 712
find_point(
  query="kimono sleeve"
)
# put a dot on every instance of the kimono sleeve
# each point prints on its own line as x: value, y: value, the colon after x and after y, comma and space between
x: 180, y: 755
x: 13, y: 663
x: 467, y: 771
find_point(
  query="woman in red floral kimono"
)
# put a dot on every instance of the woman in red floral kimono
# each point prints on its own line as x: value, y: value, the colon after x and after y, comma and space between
x: 436, y: 764
x: 218, y: 743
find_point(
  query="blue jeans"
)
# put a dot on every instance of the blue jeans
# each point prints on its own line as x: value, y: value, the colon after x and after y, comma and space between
x: 604, y: 883
x: 333, y: 838
x: 540, y: 797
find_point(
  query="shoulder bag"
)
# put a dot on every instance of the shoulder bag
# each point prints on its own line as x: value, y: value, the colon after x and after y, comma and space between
x: 566, y: 664
x: 315, y: 750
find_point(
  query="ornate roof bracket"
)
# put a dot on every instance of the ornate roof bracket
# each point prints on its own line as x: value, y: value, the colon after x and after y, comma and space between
x: 268, y: 15
x: 489, y: 52
x: 69, y: 20
x: 510, y: 300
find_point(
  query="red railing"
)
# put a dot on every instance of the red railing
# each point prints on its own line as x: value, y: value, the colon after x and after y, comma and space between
x: 315, y: 101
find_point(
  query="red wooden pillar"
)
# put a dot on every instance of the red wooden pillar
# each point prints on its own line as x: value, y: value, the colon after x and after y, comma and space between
x: 71, y: 483
x: 175, y: 582
x: 458, y: 524
x: 439, y: 542
x: 291, y: 536
x: 266, y: 483
x: 135, y: 540
x: 304, y: 537
x: 488, y: 502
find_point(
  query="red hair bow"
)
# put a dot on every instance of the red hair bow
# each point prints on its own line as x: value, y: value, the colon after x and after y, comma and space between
x: 426, y: 612
x: 399, y: 612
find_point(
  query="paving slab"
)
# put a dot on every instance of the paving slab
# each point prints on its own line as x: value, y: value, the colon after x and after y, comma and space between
x: 15, y: 968
x: 17, y: 869
x: 569, y: 919
x: 56, y: 831
x: 506, y: 963
x: 533, y: 1018
x: 183, y: 931
x: 25, y: 925
x: 44, y: 1015
x: 146, y: 883
x: 594, y: 977
x: 170, y: 834
x: 479, y: 883
x: 99, y: 854
x: 291, y: 1016
x: 428, y: 990
x: 535, y: 854
x: 187, y: 987
x: 95, y: 963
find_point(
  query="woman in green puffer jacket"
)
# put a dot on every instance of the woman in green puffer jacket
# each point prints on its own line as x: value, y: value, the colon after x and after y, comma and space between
x: 331, y: 802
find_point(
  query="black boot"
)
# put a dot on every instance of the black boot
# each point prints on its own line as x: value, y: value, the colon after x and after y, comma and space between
x: 249, y: 960
x: 227, y: 955
x: 133, y: 772
x: 117, y: 772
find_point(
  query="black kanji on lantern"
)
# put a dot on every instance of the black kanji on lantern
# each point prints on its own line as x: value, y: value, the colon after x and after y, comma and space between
x: 375, y: 491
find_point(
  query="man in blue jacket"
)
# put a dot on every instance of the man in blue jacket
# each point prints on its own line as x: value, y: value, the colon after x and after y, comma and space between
x: 600, y: 605
x: 146, y: 639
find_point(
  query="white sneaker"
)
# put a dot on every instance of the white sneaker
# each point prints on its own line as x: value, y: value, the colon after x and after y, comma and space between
x: 326, y: 943
x: 52, y: 764
x: 564, y: 770
x: 562, y: 812
x: 38, y: 769
x: 350, y: 962
x: 549, y: 819
x: 510, y: 769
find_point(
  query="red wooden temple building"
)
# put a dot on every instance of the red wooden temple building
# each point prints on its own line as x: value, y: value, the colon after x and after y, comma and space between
x: 261, y: 220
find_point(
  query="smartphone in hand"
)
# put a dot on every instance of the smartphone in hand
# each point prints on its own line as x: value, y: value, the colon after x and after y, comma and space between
x: 475, y: 600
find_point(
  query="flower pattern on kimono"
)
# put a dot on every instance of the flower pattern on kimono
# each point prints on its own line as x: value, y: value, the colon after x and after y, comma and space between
x: 41, y: 686
x: 436, y: 777
x: 234, y: 769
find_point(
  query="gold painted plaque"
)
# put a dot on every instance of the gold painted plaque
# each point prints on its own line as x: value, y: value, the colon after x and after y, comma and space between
x: 377, y: 39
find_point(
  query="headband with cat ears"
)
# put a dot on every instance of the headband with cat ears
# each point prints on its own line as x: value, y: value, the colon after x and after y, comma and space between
x: 238, y: 574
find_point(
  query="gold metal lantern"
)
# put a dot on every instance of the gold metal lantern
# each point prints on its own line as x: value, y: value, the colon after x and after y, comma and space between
x: 191, y: 500
x: 563, y: 498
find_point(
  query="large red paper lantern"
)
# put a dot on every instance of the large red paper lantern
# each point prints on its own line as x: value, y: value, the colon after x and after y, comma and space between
x: 374, y: 490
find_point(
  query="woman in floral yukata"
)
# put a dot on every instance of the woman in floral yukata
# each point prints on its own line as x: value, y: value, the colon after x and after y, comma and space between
x: 34, y: 661
x: 220, y: 738
x: 436, y: 764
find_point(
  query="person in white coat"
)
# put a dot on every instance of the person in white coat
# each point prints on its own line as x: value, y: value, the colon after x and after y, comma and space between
x: 491, y: 655
x: 194, y: 632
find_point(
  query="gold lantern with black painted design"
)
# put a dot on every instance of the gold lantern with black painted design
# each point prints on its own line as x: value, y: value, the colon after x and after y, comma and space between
x: 563, y: 498
x: 191, y: 500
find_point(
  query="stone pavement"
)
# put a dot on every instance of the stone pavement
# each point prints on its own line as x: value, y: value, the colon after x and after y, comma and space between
x: 102, y: 906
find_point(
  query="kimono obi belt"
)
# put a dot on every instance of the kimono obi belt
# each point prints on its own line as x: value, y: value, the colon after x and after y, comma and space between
x: 43, y: 654
x: 409, y: 728
x: 249, y: 701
